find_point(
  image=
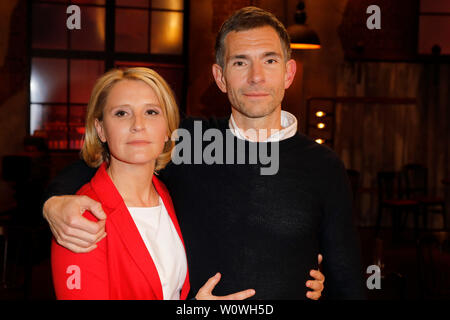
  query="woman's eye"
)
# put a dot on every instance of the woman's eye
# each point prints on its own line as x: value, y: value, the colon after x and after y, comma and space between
x: 120, y: 113
x: 151, y: 111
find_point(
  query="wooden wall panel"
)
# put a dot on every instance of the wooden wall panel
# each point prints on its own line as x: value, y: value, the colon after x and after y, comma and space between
x: 372, y: 137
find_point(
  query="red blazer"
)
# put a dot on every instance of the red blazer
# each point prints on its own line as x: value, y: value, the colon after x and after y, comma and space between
x: 121, y: 266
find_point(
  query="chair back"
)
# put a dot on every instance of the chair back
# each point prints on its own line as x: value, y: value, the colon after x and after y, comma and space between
x: 415, y: 178
x: 389, y: 186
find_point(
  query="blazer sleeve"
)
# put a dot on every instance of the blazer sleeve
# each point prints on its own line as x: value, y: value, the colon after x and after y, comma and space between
x: 80, y: 276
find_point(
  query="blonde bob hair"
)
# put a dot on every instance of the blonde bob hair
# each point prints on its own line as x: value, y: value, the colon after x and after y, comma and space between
x: 94, y: 152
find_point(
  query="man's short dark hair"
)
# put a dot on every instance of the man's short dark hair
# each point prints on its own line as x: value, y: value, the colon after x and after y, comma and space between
x: 246, y: 19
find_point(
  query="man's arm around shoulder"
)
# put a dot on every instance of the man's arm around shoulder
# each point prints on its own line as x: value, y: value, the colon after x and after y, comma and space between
x: 63, y: 210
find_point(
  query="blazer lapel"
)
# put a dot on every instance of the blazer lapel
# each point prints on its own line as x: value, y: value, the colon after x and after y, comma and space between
x: 120, y: 217
x: 164, y: 194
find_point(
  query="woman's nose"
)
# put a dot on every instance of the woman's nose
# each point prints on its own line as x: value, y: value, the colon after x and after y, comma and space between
x: 138, y: 124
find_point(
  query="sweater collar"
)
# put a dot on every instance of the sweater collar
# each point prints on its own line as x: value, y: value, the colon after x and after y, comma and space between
x: 288, y: 124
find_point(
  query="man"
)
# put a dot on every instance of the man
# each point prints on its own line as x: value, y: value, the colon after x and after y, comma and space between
x: 260, y: 230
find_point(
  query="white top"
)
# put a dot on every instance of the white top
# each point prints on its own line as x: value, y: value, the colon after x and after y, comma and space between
x: 288, y: 124
x: 165, y: 247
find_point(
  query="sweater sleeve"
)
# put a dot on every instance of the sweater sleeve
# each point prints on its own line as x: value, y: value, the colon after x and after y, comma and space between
x: 339, y: 243
x: 69, y: 180
x: 80, y: 276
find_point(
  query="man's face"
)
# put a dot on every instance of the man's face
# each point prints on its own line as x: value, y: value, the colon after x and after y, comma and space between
x: 255, y: 73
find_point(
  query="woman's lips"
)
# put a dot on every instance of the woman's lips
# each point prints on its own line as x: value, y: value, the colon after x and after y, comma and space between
x: 138, y: 142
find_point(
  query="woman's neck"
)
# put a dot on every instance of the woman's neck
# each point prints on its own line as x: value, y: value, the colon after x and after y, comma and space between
x: 134, y: 183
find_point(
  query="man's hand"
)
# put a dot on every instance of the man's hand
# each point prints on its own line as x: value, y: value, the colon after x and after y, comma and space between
x: 317, y: 284
x: 70, y: 228
x: 205, y: 292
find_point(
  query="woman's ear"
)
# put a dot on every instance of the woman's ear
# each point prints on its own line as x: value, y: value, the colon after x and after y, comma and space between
x: 100, y: 130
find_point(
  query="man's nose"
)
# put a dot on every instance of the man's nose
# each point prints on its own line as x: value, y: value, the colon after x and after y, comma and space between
x: 256, y: 74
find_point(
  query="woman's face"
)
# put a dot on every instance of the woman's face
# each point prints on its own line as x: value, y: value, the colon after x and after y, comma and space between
x: 133, y: 123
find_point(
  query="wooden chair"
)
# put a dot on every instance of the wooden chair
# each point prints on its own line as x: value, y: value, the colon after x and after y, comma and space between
x: 416, y: 188
x: 390, y: 196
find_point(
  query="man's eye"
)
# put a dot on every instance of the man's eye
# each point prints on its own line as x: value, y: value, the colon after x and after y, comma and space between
x: 151, y: 111
x: 120, y: 113
x: 238, y: 63
x: 271, y: 61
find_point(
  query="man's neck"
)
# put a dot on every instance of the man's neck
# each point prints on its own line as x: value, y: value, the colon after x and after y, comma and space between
x: 258, y: 128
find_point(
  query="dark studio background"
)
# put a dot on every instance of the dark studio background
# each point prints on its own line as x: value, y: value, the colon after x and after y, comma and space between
x: 386, y: 94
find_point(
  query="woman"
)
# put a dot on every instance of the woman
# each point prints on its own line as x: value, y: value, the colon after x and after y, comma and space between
x: 130, y: 118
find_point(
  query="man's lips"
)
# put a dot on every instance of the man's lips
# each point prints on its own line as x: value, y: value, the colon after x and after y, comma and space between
x: 256, y: 94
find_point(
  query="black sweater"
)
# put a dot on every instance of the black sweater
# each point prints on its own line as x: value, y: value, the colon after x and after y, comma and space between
x: 261, y: 231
